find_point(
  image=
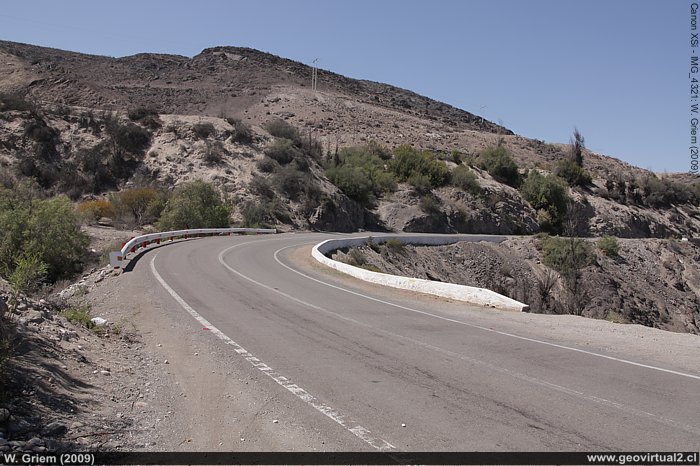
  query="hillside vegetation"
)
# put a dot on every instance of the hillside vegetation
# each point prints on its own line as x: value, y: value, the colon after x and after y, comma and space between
x: 235, y: 137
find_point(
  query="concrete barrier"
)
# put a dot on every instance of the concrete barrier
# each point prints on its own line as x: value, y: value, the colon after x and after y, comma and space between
x: 117, y: 258
x: 469, y: 294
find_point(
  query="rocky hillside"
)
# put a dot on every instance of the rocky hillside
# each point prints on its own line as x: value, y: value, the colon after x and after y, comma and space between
x: 87, y: 125
x: 653, y: 282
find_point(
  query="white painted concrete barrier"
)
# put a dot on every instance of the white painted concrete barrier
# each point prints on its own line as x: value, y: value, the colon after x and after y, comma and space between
x: 117, y: 258
x: 469, y: 294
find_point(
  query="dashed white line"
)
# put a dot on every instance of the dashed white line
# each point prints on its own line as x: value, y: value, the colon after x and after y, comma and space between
x: 357, y: 430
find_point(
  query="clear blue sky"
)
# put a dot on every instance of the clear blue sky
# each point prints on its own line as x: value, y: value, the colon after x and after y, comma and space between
x: 617, y: 70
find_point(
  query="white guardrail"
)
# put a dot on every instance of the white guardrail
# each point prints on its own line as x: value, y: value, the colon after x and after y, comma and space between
x: 469, y: 294
x: 117, y: 258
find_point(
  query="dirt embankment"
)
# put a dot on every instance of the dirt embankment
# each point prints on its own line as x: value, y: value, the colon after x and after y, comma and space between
x: 651, y: 282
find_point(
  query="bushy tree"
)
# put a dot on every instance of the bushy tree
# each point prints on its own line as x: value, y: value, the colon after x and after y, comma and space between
x: 194, y: 205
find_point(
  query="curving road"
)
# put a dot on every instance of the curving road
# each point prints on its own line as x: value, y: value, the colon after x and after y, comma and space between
x: 383, y: 369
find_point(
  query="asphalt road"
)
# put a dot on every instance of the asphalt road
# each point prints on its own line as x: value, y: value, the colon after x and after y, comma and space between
x: 373, y: 368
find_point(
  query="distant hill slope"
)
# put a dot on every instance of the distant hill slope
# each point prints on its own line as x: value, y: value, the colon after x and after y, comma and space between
x: 73, y: 91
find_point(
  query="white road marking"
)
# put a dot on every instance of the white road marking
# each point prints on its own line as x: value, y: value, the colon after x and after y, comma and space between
x: 533, y: 340
x: 293, y: 388
x: 577, y: 394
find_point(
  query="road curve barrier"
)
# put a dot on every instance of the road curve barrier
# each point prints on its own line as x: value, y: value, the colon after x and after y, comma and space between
x: 469, y: 294
x: 117, y: 258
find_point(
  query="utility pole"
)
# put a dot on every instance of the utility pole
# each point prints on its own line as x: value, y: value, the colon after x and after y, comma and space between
x: 314, y: 75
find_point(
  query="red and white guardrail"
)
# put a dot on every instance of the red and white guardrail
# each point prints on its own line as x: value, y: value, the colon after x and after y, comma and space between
x: 117, y: 258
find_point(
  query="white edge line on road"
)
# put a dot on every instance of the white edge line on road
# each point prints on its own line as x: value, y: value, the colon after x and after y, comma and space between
x: 533, y: 340
x: 478, y: 362
x: 293, y: 388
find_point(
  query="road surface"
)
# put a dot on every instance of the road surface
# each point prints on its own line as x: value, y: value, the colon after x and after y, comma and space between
x: 379, y: 369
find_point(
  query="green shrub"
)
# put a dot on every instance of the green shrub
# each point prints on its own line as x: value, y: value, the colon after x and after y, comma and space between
x: 79, y: 315
x: 566, y: 255
x: 129, y: 138
x: 353, y: 181
x: 293, y: 183
x: 281, y: 129
x: 283, y: 151
x: 573, y: 174
x: 48, y: 230
x: 500, y: 165
x: 420, y: 182
x: 430, y: 205
x: 261, y: 187
x: 242, y: 133
x: 267, y: 165
x: 360, y: 173
x: 214, y: 153
x: 139, y: 113
x: 194, y: 205
x: 203, y: 130
x: 465, y: 179
x: 609, y: 245
x: 29, y: 272
x: 408, y: 162
x: 261, y: 214
x: 395, y: 245
x: 548, y: 195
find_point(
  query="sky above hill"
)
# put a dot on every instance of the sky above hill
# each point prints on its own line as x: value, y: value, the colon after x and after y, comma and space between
x: 616, y: 70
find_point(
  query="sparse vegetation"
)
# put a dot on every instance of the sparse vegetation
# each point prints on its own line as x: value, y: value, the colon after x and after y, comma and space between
x: 283, y: 151
x: 241, y: 133
x: 79, y: 315
x: 214, y: 153
x: 203, y: 130
x: 609, y: 246
x: 283, y: 130
x: 395, y: 245
x: 147, y: 116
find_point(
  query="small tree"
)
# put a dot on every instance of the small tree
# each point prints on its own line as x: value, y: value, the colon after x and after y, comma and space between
x: 136, y: 202
x: 577, y: 146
